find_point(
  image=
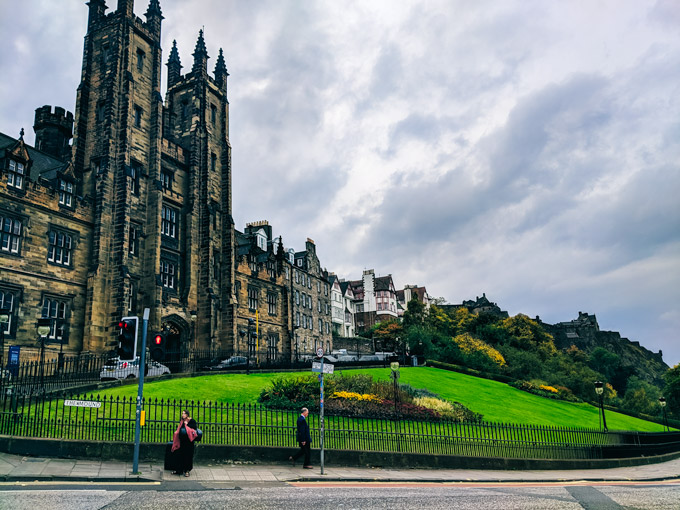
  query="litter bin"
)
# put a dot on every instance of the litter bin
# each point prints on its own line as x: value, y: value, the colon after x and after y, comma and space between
x: 414, y: 360
x: 169, y: 464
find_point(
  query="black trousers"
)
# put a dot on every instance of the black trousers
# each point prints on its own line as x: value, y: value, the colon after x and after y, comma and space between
x: 306, y: 450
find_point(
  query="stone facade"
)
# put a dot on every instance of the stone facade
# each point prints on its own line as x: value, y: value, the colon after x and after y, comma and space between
x: 148, y: 224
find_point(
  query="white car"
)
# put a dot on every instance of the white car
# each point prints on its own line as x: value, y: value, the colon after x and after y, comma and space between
x: 117, y: 369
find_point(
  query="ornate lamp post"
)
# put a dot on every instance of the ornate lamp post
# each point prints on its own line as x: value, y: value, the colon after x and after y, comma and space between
x: 193, y: 328
x: 43, y: 327
x: 599, y: 389
x: 662, y: 403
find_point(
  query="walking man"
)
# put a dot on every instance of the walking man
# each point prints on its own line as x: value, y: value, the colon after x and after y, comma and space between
x: 303, y: 439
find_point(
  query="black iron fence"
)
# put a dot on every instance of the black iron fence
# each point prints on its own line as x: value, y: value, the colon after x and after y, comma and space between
x: 112, y: 419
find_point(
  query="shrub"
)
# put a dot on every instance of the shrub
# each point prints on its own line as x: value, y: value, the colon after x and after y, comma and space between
x: 470, y: 345
x: 451, y: 411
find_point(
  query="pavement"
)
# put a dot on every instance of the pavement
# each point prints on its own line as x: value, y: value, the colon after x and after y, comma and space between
x: 17, y: 468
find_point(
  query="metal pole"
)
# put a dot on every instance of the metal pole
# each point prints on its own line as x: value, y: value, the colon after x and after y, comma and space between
x: 321, y: 415
x: 604, y: 421
x: 140, y: 393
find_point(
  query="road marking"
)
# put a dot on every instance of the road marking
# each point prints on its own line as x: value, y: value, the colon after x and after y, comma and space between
x: 573, y: 483
x: 66, y: 482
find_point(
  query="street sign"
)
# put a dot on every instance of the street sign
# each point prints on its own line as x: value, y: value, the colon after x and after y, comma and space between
x: 319, y: 352
x: 327, y: 367
x: 82, y: 403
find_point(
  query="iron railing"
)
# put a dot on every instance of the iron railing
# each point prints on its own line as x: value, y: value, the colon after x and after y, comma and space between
x: 112, y: 419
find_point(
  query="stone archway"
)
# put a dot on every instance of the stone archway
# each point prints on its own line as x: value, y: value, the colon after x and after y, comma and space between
x: 177, y: 338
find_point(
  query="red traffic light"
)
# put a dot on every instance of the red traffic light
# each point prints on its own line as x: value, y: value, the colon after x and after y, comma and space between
x: 158, y: 340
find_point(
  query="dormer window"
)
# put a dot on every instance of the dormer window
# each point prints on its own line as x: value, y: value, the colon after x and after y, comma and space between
x: 261, y: 240
x: 65, y: 193
x: 15, y: 174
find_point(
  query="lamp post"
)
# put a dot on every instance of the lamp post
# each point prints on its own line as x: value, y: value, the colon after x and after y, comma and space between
x: 4, y: 320
x: 599, y: 389
x: 242, y: 334
x: 43, y: 327
x: 192, y: 316
x: 662, y: 403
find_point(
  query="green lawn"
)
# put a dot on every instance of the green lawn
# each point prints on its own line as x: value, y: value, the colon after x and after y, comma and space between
x: 497, y: 401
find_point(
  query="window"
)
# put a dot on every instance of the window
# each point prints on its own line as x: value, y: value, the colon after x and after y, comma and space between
x: 101, y: 111
x: 271, y: 302
x: 132, y: 298
x: 55, y: 309
x: 328, y: 328
x: 106, y: 54
x: 60, y: 248
x: 297, y: 297
x: 8, y: 300
x: 311, y: 324
x: 320, y: 326
x: 304, y: 322
x: 140, y: 60
x: 287, y: 273
x: 325, y: 289
x: 138, y: 116
x: 271, y: 269
x: 133, y: 240
x: 297, y: 319
x: 168, y: 274
x: 169, y: 222
x: 213, y: 114
x: 184, y: 111
x: 213, y: 161
x: 318, y: 306
x: 318, y: 287
x: 297, y: 276
x: 166, y: 180
x: 15, y: 174
x: 272, y: 340
x: 309, y: 282
x: 10, y: 234
x: 65, y: 193
x: 134, y: 172
x: 252, y: 298
x: 299, y: 262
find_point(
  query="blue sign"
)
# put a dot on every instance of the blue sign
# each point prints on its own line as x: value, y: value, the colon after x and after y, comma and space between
x: 13, y: 359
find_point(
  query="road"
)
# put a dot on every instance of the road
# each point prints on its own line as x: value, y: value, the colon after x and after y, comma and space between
x: 341, y: 496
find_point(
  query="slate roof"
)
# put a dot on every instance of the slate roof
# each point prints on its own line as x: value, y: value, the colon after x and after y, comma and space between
x: 42, y: 165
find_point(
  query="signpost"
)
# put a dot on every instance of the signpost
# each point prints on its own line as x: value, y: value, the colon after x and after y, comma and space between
x: 321, y: 370
x: 140, y: 393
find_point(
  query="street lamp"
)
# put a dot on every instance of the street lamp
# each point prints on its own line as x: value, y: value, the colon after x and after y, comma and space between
x: 192, y: 316
x: 599, y: 389
x: 662, y: 403
x: 242, y: 334
x: 43, y: 327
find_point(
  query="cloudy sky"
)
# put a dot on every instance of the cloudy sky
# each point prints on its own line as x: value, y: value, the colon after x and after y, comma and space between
x: 526, y: 149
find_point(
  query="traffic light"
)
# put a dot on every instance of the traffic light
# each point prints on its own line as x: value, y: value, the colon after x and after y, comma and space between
x: 157, y: 347
x: 127, y: 338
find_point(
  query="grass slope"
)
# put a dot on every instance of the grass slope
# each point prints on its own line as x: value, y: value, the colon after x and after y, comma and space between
x: 497, y: 401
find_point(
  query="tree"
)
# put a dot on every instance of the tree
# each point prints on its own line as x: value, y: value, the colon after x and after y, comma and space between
x: 386, y: 333
x: 415, y: 313
x: 672, y: 390
x: 528, y: 334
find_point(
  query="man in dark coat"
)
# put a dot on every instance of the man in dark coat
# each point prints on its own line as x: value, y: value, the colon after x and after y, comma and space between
x: 303, y: 439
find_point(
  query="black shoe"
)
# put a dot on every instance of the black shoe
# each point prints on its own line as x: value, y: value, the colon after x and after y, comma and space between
x: 308, y: 467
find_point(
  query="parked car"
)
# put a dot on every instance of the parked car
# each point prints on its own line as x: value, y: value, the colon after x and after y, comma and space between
x: 369, y: 357
x: 346, y: 358
x: 117, y: 369
x: 225, y: 364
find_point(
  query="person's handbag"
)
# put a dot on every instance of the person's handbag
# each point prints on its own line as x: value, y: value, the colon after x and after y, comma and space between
x: 199, y: 435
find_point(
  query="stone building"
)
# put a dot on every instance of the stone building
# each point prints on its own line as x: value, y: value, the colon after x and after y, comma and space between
x: 137, y: 212
x: 375, y: 300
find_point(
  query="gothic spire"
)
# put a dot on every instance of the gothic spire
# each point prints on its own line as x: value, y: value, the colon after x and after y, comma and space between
x: 200, y: 55
x: 154, y: 8
x: 174, y: 66
x: 221, y: 71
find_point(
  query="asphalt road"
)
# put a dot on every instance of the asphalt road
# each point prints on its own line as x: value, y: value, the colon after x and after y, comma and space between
x: 648, y: 496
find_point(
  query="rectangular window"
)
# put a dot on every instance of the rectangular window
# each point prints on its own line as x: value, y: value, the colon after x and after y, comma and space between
x: 65, y: 193
x: 318, y: 287
x: 15, y: 174
x: 55, y: 309
x: 135, y: 171
x: 166, y: 180
x: 138, y: 116
x: 168, y: 274
x: 272, y: 341
x: 320, y: 326
x: 8, y: 300
x: 213, y: 114
x: 140, y: 60
x: 106, y: 54
x: 60, y: 246
x: 311, y: 324
x: 132, y: 298
x: 133, y: 240
x: 309, y: 282
x: 271, y: 302
x: 318, y: 306
x: 325, y: 289
x: 297, y: 319
x: 101, y: 111
x: 297, y: 276
x: 304, y: 322
x: 169, y: 222
x: 287, y: 273
x: 252, y: 298
x: 297, y: 297
x: 10, y: 234
x: 213, y: 162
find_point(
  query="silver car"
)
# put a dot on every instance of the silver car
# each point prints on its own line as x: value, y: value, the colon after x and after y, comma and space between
x: 118, y: 369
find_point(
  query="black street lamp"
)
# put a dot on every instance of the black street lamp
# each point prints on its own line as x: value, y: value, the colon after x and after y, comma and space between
x: 599, y: 389
x: 242, y: 334
x: 43, y: 327
x: 662, y: 403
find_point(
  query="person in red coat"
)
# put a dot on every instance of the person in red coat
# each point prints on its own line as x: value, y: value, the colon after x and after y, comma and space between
x: 183, y: 444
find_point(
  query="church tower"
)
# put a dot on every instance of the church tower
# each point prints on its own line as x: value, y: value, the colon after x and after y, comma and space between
x: 116, y: 157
